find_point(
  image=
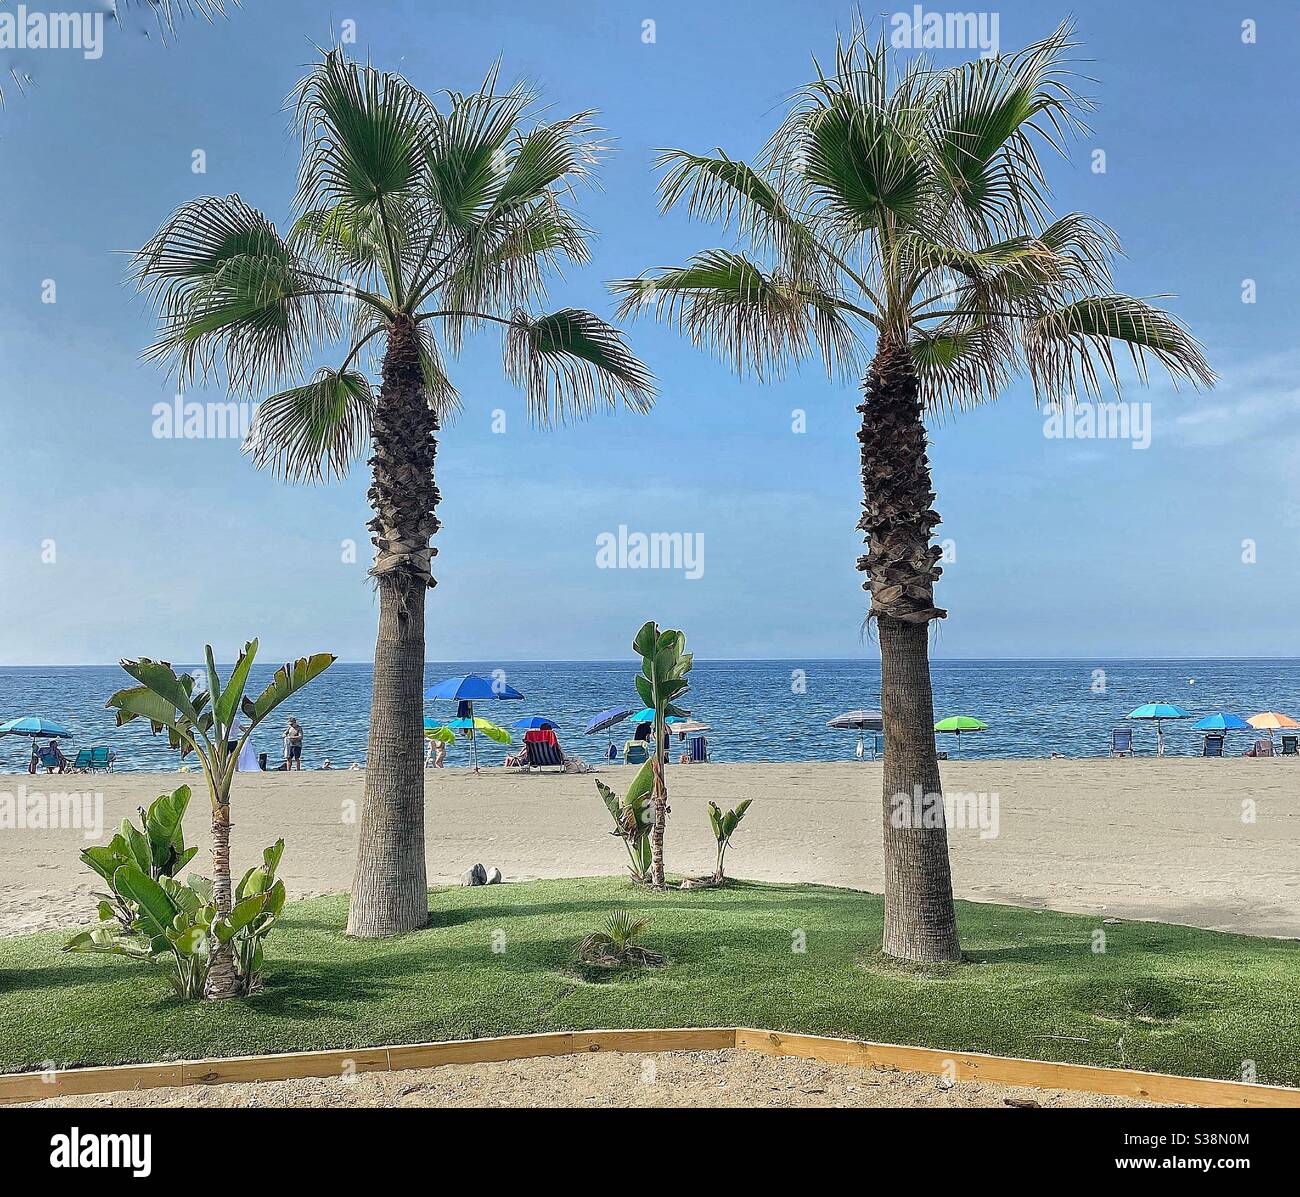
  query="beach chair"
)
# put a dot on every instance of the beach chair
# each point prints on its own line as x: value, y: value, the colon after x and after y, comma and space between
x: 101, y: 757
x: 697, y: 750
x: 1263, y: 747
x: 51, y: 758
x: 1213, y: 745
x: 636, y: 752
x: 81, y: 762
x: 1290, y: 746
x: 542, y: 753
x: 1121, y: 741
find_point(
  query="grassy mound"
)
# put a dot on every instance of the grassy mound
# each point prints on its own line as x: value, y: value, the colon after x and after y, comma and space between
x: 498, y: 960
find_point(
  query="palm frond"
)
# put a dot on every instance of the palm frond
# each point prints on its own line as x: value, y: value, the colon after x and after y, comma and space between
x: 314, y: 431
x: 963, y: 363
x: 467, y: 157
x: 1074, y: 347
x: 231, y: 289
x: 363, y: 135
x: 570, y: 362
x: 756, y: 320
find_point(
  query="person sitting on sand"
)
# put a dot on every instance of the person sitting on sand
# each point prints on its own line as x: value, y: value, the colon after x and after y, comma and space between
x: 293, y: 744
x: 327, y: 764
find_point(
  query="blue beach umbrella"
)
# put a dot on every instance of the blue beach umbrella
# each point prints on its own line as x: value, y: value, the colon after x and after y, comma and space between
x: 1221, y: 721
x: 1157, y: 711
x: 467, y: 690
x: 470, y: 688
x: 534, y: 722
x: 607, y: 719
x: 34, y: 725
x: 647, y: 715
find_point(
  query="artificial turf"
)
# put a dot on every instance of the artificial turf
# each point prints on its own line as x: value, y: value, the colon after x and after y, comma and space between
x: 498, y: 960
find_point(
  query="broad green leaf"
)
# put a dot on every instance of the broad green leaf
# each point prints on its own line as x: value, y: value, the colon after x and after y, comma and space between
x: 226, y: 706
x: 644, y: 643
x: 244, y: 912
x: 288, y: 680
x: 155, y: 909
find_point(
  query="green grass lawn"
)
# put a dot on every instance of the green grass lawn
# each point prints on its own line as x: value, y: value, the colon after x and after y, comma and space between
x: 1162, y: 998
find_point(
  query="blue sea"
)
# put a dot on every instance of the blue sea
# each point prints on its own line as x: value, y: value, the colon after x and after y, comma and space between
x: 759, y: 710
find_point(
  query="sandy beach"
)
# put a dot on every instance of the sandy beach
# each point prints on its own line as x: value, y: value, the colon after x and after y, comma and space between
x: 1139, y: 839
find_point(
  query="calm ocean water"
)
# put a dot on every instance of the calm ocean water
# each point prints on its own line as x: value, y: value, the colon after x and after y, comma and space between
x: 759, y: 710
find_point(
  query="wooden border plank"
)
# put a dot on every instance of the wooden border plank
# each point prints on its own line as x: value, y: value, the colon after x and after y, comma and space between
x: 37, y: 1086
x: 285, y: 1066
x: 1006, y: 1070
x: 1012, y: 1070
x: 562, y: 1043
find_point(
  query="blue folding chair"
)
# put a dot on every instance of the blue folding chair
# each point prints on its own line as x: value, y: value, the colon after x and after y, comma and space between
x: 1121, y: 741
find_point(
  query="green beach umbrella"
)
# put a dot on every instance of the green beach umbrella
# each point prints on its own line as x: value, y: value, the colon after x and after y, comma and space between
x: 960, y: 723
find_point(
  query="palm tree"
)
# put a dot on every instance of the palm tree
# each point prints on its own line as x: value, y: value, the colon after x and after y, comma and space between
x: 903, y: 209
x: 418, y: 223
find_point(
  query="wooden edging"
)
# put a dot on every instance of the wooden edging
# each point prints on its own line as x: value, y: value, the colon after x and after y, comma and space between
x: 1006, y: 1070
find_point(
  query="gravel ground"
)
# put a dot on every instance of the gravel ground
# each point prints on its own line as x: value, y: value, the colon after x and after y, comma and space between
x: 714, y: 1078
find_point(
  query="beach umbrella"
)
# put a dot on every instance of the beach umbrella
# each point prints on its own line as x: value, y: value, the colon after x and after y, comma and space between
x: 471, y: 728
x: 688, y: 727
x: 604, y: 721
x: 607, y: 719
x: 471, y: 688
x: 1221, y: 721
x: 859, y: 721
x: 1268, y: 721
x: 960, y: 723
x: 535, y: 722
x: 956, y: 724
x: 1157, y: 711
x: 34, y: 725
x: 647, y: 715
x: 467, y: 690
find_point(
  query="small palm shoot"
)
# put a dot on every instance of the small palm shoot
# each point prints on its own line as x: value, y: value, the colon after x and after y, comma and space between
x: 724, y: 827
x: 615, y: 946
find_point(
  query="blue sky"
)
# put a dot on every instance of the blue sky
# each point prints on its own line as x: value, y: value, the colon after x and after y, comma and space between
x: 1063, y: 548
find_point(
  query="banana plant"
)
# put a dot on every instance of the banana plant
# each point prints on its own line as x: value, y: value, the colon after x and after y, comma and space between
x: 177, y: 926
x: 632, y: 818
x: 214, y: 724
x: 724, y: 827
x: 159, y: 850
x: 662, y: 680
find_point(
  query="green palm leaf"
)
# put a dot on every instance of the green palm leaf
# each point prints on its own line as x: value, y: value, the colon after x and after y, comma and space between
x: 314, y: 431
x: 570, y: 362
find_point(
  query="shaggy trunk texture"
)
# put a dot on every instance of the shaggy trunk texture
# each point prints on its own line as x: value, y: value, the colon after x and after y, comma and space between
x: 389, y: 891
x: 898, y: 520
x: 223, y: 981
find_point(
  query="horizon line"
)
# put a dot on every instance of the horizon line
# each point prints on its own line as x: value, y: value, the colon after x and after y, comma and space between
x: 720, y: 660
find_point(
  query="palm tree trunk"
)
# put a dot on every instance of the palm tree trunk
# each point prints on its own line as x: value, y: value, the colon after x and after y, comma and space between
x: 389, y: 889
x: 898, y: 519
x: 659, y: 796
x: 223, y: 981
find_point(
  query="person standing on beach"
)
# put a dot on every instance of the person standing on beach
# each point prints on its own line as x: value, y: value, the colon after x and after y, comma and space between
x: 293, y: 744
